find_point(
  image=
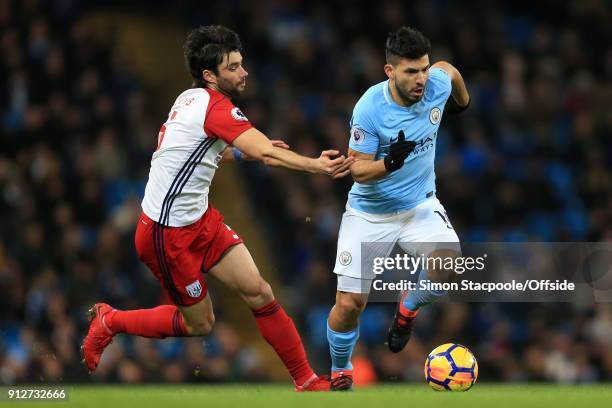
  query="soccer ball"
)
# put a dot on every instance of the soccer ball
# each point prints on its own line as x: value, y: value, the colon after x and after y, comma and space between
x: 451, y: 367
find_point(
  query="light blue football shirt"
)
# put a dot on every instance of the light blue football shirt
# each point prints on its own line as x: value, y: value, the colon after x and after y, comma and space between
x: 376, y: 121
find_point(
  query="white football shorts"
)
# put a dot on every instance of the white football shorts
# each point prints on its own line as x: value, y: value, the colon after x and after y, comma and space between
x: 425, y: 223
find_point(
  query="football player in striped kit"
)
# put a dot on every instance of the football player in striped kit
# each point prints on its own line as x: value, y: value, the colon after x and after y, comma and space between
x: 180, y: 234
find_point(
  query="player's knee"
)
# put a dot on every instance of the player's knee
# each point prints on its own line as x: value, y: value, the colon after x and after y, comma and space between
x: 442, y: 271
x: 265, y: 292
x: 350, y: 304
x: 440, y: 274
x: 201, y: 327
x: 259, y: 294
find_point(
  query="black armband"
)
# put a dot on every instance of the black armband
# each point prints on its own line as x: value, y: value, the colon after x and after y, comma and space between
x: 453, y: 108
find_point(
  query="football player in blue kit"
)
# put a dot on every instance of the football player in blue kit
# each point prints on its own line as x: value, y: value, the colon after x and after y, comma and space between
x: 393, y: 200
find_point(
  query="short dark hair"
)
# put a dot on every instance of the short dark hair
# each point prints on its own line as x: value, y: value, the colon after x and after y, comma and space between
x: 406, y: 43
x: 205, y: 48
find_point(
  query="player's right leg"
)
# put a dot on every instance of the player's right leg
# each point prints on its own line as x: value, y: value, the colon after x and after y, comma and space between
x: 353, y: 287
x: 343, y: 333
x: 166, y: 251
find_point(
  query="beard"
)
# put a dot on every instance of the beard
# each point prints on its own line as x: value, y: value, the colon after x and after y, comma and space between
x: 405, y: 95
x: 229, y: 88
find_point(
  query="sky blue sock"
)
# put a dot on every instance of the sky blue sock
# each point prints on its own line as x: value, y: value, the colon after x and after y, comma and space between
x: 341, y: 348
x: 419, y: 297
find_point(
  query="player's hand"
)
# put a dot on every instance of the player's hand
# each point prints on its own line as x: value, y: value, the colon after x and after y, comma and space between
x: 345, y: 169
x: 398, y: 152
x: 334, y: 167
x: 276, y: 143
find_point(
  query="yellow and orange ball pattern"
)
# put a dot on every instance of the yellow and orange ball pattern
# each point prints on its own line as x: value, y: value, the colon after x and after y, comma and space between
x: 451, y: 367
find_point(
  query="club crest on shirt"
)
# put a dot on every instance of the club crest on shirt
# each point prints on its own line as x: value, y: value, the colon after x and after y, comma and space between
x: 238, y: 115
x: 435, y: 115
x: 345, y: 258
x: 194, y: 289
x: 357, y: 135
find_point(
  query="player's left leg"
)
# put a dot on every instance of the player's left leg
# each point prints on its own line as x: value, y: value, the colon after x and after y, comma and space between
x: 432, y: 235
x: 343, y: 329
x: 237, y: 270
x: 157, y: 322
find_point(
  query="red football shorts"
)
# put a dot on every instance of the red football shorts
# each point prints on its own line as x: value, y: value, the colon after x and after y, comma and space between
x: 177, y: 256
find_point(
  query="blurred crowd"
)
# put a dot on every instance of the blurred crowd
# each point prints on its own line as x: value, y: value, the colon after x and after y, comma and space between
x: 530, y: 160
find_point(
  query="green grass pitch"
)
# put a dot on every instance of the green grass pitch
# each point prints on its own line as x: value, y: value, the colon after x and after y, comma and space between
x: 408, y: 395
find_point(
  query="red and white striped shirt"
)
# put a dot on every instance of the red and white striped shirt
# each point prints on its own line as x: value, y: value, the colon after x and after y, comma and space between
x: 200, y: 125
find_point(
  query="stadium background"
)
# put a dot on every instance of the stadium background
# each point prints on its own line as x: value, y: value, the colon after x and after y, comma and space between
x: 86, y: 85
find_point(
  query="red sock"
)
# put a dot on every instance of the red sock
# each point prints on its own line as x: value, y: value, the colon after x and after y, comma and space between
x: 278, y: 329
x: 405, y: 315
x: 159, y: 322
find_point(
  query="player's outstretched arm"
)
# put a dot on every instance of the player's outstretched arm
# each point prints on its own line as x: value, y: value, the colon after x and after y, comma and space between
x: 257, y: 146
x: 459, y: 92
x: 230, y: 153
